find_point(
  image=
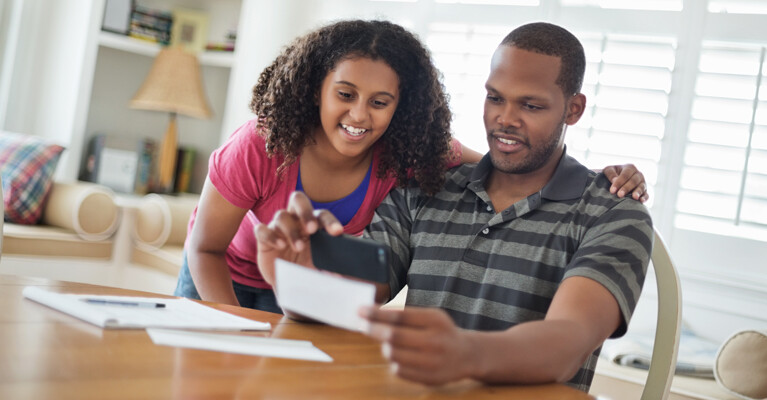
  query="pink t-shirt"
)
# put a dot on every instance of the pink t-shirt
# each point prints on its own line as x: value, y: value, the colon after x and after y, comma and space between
x: 246, y: 177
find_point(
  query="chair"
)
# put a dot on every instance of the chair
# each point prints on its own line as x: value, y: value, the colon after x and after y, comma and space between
x: 666, y: 347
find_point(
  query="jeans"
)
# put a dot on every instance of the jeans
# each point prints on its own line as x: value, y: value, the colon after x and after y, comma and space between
x: 248, y: 296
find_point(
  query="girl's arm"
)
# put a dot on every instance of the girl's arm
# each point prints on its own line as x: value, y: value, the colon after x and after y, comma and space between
x: 214, y: 227
x: 469, y: 156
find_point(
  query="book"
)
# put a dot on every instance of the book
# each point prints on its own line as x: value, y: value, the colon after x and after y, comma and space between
x: 150, y: 24
x: 122, y: 312
x: 184, y: 169
x: 145, y: 168
x: 90, y: 166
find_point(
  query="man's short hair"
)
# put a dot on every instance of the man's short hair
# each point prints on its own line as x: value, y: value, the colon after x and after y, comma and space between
x: 553, y: 40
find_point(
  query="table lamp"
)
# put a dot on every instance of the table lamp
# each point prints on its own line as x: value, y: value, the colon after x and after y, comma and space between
x: 174, y: 85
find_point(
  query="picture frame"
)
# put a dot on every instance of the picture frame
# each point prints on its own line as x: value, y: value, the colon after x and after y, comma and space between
x: 117, y: 15
x: 189, y: 29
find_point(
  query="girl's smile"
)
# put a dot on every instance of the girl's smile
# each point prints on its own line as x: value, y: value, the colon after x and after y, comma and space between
x: 355, y: 109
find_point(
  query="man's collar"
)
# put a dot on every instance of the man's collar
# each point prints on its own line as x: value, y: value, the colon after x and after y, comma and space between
x: 568, y: 182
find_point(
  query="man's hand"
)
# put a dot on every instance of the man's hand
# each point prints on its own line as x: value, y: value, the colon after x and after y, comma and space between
x: 287, y: 234
x: 627, y: 179
x: 422, y: 344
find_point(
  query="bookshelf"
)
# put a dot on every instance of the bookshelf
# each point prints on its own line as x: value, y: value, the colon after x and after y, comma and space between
x: 120, y: 65
x: 64, y: 79
x: 131, y: 45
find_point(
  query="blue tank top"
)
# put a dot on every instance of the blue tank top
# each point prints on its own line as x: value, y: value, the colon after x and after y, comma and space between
x: 345, y: 208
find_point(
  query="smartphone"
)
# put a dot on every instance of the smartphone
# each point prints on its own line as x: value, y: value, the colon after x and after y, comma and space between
x: 350, y: 255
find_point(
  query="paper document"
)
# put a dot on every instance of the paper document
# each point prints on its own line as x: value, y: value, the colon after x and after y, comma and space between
x: 176, y: 313
x: 322, y: 296
x: 249, y: 345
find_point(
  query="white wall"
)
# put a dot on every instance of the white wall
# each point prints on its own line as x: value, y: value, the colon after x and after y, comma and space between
x: 46, y: 69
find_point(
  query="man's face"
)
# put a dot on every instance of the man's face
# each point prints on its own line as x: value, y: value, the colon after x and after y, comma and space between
x: 525, y: 111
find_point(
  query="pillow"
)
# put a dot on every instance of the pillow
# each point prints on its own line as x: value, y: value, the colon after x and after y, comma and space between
x: 26, y: 166
x: 86, y: 208
x: 741, y: 364
x: 162, y: 219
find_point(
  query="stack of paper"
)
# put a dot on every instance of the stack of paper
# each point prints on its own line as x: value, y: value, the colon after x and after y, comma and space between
x: 175, y: 313
x: 249, y: 345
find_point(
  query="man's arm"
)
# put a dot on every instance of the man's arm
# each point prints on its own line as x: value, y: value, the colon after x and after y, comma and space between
x: 425, y: 346
x: 592, y: 303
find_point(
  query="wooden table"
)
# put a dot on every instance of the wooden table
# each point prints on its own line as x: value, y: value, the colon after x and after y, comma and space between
x: 45, y: 354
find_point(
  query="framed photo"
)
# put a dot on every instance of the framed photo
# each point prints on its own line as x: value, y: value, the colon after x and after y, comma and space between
x: 117, y: 16
x: 189, y: 30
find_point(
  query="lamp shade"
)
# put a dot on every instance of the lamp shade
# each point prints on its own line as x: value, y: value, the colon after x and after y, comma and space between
x: 174, y: 84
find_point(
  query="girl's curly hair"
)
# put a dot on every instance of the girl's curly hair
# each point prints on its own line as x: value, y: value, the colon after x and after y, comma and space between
x: 417, y: 142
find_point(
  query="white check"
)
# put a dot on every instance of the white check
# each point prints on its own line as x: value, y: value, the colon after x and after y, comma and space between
x: 323, y: 296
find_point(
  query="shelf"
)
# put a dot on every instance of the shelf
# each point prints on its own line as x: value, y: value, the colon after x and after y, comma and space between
x: 132, y: 45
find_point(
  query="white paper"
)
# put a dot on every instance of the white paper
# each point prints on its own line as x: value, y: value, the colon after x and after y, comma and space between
x: 249, y: 345
x: 323, y: 296
x: 177, y: 313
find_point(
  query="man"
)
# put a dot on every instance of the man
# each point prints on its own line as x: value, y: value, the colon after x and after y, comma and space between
x: 524, y: 263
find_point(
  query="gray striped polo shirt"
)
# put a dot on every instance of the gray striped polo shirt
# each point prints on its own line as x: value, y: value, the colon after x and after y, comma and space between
x: 491, y: 271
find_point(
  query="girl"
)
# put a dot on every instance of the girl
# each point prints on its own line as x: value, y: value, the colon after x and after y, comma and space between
x: 344, y: 114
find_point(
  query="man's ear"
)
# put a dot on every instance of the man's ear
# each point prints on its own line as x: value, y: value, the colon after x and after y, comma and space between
x: 576, y: 105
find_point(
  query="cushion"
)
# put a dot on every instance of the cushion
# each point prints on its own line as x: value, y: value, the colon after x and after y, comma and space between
x: 26, y: 166
x: 86, y: 208
x: 741, y: 364
x: 163, y: 220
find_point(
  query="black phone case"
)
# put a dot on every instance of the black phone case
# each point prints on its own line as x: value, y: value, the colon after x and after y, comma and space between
x: 350, y: 255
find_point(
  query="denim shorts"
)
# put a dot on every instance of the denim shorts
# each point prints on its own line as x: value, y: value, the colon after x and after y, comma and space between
x: 248, y: 296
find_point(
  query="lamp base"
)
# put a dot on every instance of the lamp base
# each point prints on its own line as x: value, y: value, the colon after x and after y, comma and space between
x: 167, y: 160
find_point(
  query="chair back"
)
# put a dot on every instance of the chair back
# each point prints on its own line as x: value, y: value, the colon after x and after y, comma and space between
x: 666, y: 346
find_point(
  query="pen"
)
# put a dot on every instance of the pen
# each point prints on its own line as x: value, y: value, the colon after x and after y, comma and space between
x: 142, y: 304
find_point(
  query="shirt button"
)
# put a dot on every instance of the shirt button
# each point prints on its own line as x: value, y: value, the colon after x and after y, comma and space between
x: 489, y: 208
x: 486, y: 231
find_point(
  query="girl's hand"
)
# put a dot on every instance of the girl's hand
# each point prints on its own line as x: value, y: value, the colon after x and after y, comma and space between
x: 287, y: 234
x: 627, y: 179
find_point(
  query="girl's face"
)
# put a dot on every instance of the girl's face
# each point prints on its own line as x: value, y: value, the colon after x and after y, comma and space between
x: 357, y: 101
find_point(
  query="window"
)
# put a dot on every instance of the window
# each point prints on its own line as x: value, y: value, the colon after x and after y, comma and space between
x: 737, y: 6
x: 627, y: 85
x: 462, y: 52
x: 724, y: 179
x: 677, y: 87
x: 668, y: 5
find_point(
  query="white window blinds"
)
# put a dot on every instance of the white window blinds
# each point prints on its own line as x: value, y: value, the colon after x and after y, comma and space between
x: 737, y: 6
x: 666, y: 5
x: 724, y: 178
x: 627, y: 85
x: 462, y: 52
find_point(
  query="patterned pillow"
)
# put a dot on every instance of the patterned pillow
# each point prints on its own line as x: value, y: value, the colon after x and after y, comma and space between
x: 26, y: 165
